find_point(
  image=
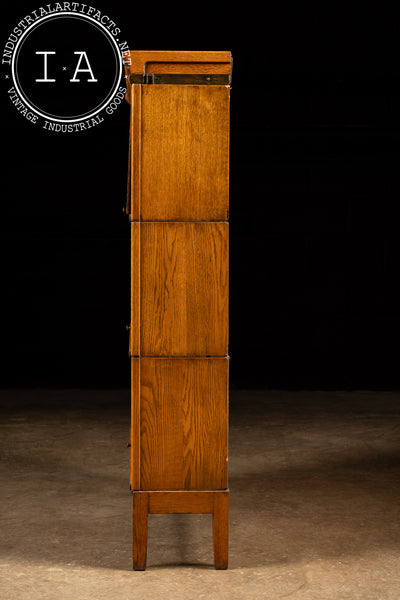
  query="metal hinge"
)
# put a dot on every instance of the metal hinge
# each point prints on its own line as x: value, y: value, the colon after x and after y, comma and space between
x: 182, y: 78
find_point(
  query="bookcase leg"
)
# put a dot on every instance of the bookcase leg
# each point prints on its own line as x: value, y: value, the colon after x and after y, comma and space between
x: 221, y: 529
x: 140, y: 527
x: 167, y: 502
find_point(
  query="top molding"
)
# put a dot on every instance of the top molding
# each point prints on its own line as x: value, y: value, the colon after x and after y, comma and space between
x: 182, y: 62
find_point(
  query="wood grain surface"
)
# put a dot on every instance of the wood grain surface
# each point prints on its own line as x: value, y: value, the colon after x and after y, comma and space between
x: 169, y: 502
x: 178, y: 190
x: 183, y: 424
x: 180, y: 289
x: 136, y: 150
x: 221, y: 530
x: 135, y: 425
x: 134, y: 328
x: 182, y: 153
x: 140, y: 530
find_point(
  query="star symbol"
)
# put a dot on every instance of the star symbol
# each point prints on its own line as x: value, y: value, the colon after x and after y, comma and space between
x: 64, y: 68
x: 7, y: 77
x: 126, y: 76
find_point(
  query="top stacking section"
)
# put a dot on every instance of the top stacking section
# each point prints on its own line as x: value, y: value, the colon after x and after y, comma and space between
x: 178, y: 66
x: 179, y: 135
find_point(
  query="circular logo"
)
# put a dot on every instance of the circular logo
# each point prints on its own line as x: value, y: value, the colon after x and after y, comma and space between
x: 66, y: 66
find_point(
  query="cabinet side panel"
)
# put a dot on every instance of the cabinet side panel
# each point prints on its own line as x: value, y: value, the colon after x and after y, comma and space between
x: 134, y: 328
x: 135, y: 425
x: 184, y: 289
x: 185, y: 152
x: 136, y: 150
x: 184, y: 424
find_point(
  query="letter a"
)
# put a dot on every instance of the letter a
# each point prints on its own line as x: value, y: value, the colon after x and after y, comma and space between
x: 78, y: 70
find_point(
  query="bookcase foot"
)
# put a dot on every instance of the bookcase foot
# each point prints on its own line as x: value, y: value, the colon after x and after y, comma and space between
x: 140, y: 528
x: 221, y: 530
x: 187, y: 501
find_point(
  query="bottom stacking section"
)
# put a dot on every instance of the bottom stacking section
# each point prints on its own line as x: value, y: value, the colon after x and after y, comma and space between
x: 179, y: 424
x: 179, y: 445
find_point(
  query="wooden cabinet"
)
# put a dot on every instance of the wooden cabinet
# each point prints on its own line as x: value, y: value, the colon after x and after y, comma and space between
x: 178, y: 197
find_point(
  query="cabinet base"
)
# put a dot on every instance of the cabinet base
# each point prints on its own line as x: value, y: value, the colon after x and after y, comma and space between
x: 215, y: 502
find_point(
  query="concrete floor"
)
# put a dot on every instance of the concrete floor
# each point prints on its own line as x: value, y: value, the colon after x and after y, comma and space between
x: 315, y: 512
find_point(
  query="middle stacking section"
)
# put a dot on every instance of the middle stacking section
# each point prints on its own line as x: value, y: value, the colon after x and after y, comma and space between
x: 179, y: 289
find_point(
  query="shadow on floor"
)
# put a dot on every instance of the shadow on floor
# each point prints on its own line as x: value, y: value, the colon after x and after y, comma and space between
x: 312, y: 476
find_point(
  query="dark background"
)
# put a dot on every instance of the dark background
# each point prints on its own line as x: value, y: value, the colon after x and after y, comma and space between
x: 315, y: 249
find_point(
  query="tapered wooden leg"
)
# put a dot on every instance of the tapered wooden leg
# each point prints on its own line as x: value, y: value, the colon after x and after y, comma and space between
x: 221, y: 529
x: 159, y: 502
x: 140, y: 526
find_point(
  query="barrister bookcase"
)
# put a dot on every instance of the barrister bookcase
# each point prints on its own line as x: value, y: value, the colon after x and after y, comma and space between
x: 178, y: 197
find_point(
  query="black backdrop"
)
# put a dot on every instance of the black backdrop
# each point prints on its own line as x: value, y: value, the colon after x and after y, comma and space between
x: 315, y: 250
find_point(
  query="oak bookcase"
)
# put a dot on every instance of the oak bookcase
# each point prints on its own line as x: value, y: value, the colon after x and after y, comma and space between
x: 178, y: 199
